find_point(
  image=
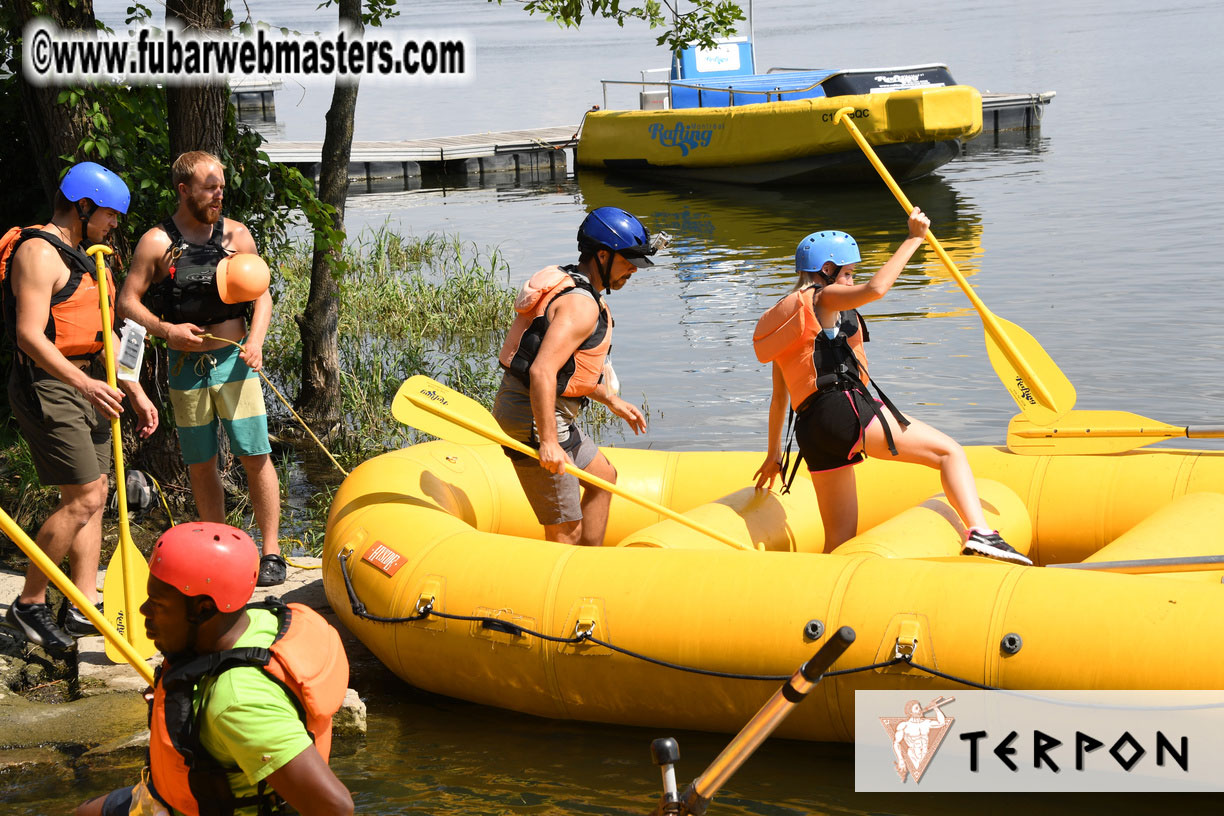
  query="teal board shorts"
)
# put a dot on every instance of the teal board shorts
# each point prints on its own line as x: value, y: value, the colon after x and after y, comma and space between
x: 211, y: 387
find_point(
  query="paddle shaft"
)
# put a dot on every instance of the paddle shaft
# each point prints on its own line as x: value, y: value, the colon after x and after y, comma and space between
x: 501, y: 438
x: 989, y: 321
x: 763, y: 723
x: 1166, y: 432
x: 126, y: 546
x: 64, y: 585
x: 1151, y: 566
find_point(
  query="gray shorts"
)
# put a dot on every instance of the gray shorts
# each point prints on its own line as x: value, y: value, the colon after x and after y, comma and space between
x: 555, y: 498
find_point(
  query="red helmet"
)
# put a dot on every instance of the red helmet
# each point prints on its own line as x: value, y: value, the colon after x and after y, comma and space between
x: 206, y: 558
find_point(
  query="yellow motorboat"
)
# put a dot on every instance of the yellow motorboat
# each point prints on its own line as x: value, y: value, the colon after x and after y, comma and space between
x: 793, y: 141
x: 435, y: 561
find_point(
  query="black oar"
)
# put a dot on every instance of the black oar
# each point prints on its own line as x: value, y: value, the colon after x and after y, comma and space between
x: 697, y: 797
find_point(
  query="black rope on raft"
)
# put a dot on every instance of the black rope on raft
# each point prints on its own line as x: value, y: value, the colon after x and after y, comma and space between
x: 506, y: 627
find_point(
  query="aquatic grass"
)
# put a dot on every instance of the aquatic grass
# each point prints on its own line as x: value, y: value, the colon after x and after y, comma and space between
x: 432, y: 305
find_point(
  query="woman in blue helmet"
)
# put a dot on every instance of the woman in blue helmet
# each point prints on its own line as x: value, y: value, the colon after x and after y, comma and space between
x: 821, y: 372
x: 555, y: 359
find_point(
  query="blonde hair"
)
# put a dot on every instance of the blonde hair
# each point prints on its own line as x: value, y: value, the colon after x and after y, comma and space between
x: 184, y: 168
x: 809, y: 278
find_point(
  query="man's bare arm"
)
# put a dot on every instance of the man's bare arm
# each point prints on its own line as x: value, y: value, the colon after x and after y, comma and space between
x: 141, y: 274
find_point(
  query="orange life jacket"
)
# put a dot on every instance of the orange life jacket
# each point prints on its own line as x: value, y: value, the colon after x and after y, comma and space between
x: 306, y: 658
x: 584, y: 369
x: 75, y: 320
x: 790, y: 335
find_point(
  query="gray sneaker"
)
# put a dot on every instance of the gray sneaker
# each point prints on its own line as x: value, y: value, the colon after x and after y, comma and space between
x: 35, y: 624
x: 74, y: 623
x: 992, y: 545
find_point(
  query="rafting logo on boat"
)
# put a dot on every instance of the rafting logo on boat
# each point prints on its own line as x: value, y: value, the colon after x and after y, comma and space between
x: 685, y: 137
x: 383, y: 557
x: 1025, y: 393
x: 916, y: 737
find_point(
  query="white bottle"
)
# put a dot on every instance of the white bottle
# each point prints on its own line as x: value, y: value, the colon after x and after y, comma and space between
x: 131, y: 350
x: 611, y: 381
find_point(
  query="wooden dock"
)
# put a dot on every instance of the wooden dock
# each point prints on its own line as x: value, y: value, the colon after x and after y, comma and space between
x: 536, y: 151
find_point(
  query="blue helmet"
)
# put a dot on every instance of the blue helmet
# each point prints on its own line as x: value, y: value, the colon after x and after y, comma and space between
x: 829, y: 245
x: 99, y: 185
x: 613, y: 228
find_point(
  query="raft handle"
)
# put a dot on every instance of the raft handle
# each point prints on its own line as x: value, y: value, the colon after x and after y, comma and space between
x: 424, y: 605
x: 907, y: 641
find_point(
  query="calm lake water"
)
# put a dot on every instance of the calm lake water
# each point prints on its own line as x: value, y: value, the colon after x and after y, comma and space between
x: 1101, y: 236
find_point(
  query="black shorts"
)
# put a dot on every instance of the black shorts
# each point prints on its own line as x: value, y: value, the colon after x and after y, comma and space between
x: 829, y: 430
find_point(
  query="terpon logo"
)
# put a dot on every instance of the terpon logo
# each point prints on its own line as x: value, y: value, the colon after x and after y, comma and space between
x: 1023, y: 390
x: 384, y: 558
x: 685, y: 137
x: 916, y: 737
x: 434, y: 396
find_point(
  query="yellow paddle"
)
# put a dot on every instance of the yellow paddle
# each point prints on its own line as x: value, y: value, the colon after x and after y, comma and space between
x: 61, y: 581
x: 1087, y: 432
x: 126, y: 584
x: 1034, y: 381
x: 430, y: 406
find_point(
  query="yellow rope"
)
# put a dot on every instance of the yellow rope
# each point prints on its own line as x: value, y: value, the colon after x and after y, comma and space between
x: 283, y: 400
x: 293, y: 563
x: 161, y: 495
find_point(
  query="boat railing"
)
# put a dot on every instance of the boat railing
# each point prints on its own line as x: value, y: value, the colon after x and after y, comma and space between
x: 705, y: 86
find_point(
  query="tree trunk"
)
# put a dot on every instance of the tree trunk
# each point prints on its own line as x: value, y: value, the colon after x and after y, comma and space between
x: 196, y: 113
x: 55, y: 130
x: 318, y: 400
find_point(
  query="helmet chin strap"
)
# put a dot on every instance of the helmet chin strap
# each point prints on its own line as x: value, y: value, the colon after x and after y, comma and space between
x: 84, y: 216
x: 605, y: 272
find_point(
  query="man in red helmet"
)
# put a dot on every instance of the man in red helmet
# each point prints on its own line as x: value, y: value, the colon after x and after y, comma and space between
x: 241, y: 709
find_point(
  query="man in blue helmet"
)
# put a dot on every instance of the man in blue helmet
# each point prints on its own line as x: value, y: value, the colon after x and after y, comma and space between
x: 58, y: 391
x: 555, y: 359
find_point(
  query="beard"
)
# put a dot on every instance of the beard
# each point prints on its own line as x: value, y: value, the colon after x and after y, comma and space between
x: 203, y: 212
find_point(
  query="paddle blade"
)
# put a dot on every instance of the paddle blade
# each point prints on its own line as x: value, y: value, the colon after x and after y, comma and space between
x: 1060, y: 391
x: 459, y: 418
x: 1087, y: 432
x: 123, y: 591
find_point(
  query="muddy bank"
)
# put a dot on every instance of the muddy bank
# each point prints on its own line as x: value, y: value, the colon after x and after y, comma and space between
x: 58, y: 718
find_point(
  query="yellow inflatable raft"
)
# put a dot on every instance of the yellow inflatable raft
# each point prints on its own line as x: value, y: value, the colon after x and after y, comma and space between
x: 790, y: 142
x: 434, y: 560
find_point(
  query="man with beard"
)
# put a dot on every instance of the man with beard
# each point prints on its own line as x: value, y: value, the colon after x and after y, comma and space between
x: 172, y: 291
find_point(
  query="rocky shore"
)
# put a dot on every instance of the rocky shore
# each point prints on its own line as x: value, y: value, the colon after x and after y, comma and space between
x: 59, y: 717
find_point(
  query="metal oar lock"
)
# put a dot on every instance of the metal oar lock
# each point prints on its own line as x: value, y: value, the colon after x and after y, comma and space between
x: 666, y: 751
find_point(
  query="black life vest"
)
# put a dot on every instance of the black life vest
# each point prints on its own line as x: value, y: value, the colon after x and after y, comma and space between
x: 188, y: 294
